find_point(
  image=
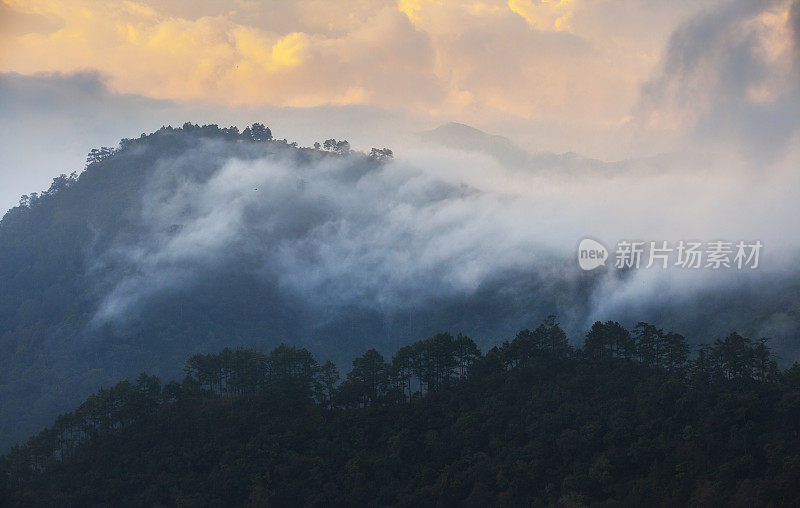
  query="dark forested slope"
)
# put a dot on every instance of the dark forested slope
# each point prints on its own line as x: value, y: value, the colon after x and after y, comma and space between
x: 628, y: 419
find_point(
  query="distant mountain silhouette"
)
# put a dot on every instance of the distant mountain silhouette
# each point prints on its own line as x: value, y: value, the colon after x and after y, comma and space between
x: 458, y: 136
x: 469, y: 139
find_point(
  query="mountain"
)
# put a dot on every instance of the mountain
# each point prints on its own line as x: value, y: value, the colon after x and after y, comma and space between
x: 189, y: 240
x: 192, y: 239
x: 462, y: 137
x: 469, y: 139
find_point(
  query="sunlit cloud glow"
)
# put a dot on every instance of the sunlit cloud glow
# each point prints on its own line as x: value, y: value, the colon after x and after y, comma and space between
x: 534, y: 59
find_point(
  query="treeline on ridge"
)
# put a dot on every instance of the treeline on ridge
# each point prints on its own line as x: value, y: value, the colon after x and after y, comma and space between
x: 255, y: 133
x: 445, y: 383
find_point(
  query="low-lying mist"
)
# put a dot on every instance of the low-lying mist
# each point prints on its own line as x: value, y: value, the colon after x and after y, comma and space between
x: 348, y: 237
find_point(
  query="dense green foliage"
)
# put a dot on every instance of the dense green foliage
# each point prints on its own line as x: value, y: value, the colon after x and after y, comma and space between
x: 626, y: 419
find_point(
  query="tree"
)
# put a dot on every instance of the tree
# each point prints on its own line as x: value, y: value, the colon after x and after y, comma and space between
x: 61, y: 183
x: 466, y: 354
x: 522, y: 348
x: 596, y: 345
x: 99, y: 154
x: 701, y: 369
x: 381, y: 154
x: 256, y: 133
x: 248, y: 371
x: 147, y: 394
x: 564, y: 433
x: 764, y: 367
x: 259, y: 132
x: 339, y: 147
x: 438, y: 361
x: 203, y: 368
x: 649, y: 342
x: 403, y: 369
x: 546, y: 339
x: 733, y: 357
x: 368, y: 381
x: 792, y: 376
x: 676, y: 351
x: 554, y: 339
x: 291, y: 371
x: 327, y: 379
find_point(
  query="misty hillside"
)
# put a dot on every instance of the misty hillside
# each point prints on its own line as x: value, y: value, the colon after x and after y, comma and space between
x: 192, y: 239
x: 187, y: 240
x: 462, y: 137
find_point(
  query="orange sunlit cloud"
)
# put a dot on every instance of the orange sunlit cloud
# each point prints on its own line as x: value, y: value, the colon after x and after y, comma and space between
x: 420, y: 54
x: 536, y: 59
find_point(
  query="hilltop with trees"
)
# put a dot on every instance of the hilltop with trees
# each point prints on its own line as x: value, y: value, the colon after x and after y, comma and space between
x: 53, y: 269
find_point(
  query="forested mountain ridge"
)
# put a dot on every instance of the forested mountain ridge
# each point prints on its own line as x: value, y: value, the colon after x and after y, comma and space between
x: 57, y: 261
x: 192, y: 239
x: 629, y: 418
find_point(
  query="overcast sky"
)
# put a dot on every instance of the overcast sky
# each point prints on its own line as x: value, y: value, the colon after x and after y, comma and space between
x: 609, y: 79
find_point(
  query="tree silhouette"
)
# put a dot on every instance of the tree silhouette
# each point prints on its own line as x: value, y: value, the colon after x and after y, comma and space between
x: 368, y: 382
x: 381, y: 154
x: 339, y: 147
x: 328, y: 378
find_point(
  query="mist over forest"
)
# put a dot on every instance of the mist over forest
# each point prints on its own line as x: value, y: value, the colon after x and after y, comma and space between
x: 382, y: 253
x: 195, y: 238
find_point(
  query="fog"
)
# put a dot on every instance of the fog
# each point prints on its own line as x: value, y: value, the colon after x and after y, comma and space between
x: 437, y: 225
x: 713, y: 150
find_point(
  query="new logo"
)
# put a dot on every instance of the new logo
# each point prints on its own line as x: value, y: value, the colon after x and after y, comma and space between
x: 591, y: 254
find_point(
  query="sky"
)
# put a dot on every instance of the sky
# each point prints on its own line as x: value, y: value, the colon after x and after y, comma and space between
x: 606, y: 79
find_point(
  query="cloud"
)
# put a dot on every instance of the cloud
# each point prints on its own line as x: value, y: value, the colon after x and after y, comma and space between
x: 544, y: 14
x: 437, y: 227
x: 17, y: 23
x: 435, y: 223
x: 500, y: 65
x: 731, y: 75
x: 52, y: 120
x: 452, y: 60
